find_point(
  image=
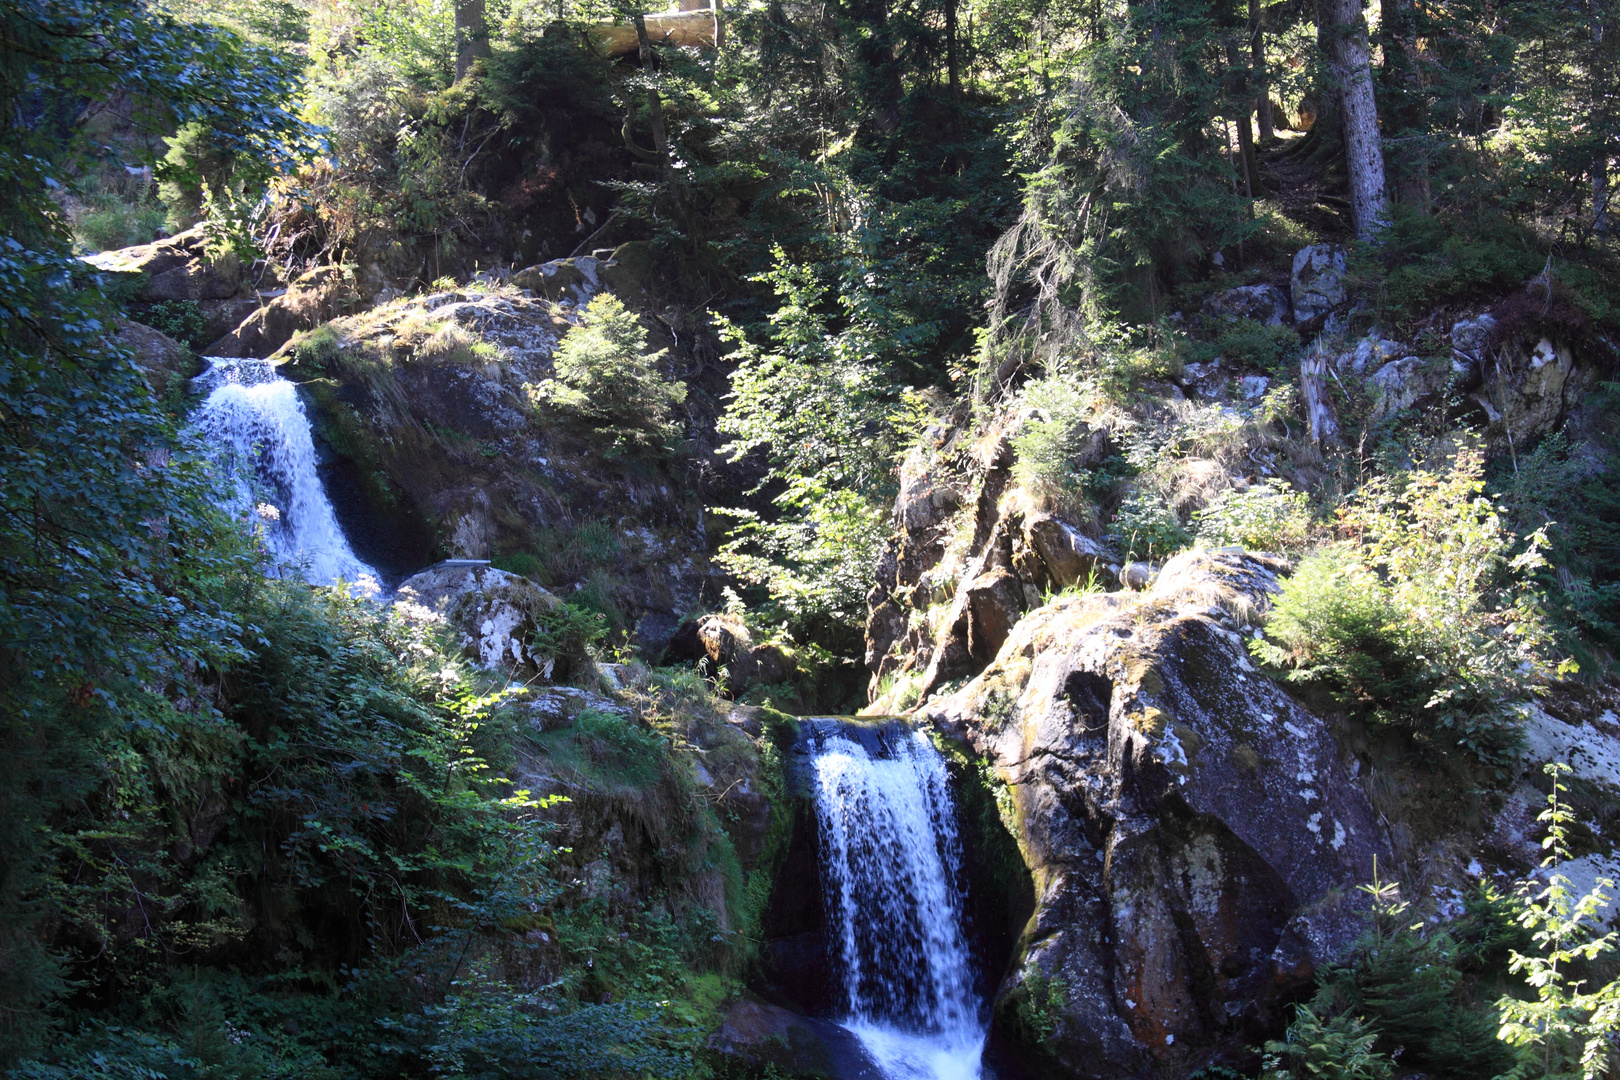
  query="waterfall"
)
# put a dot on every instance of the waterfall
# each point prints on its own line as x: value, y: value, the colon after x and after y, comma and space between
x: 253, y: 427
x: 890, y: 866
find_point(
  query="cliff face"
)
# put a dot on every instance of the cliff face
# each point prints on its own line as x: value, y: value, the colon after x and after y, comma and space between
x: 1195, y: 835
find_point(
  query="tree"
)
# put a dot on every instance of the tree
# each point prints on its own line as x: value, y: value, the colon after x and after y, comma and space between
x: 1342, y: 33
x: 472, y: 35
x: 606, y: 376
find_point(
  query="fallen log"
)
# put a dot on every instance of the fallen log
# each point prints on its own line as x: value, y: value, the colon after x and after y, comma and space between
x: 689, y: 28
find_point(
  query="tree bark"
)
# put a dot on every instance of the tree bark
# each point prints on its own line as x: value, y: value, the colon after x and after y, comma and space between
x: 1313, y: 376
x: 1240, y: 96
x: 1342, y: 35
x: 1404, y: 103
x: 1261, y: 81
x: 472, y: 35
x: 951, y: 65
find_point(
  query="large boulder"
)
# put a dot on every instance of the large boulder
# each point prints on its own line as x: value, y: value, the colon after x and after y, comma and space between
x: 1318, y: 281
x: 1195, y: 835
x: 729, y: 646
x: 1407, y: 383
x: 164, y: 361
x: 496, y: 614
x: 1263, y: 303
x: 279, y: 315
x: 177, y: 268
x: 766, y: 1036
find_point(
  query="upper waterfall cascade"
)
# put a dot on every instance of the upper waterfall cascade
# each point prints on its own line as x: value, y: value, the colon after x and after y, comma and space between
x: 891, y: 862
x: 254, y: 428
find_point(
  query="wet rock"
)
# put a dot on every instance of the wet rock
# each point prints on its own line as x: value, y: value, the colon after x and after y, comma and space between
x: 315, y: 297
x: 1195, y: 835
x: 1318, y: 280
x: 495, y: 613
x: 762, y: 1036
x: 1263, y: 303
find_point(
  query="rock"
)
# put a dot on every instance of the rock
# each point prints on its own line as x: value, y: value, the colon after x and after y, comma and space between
x: 995, y: 602
x: 1318, y: 280
x: 1263, y: 303
x: 1370, y: 353
x: 494, y: 612
x: 765, y: 1036
x: 314, y: 298
x: 574, y: 280
x: 728, y: 645
x: 178, y: 268
x: 1137, y: 575
x: 1204, y: 378
x: 1407, y: 383
x: 164, y: 361
x: 1195, y: 835
x: 1531, y: 382
x: 1069, y: 556
x: 1253, y: 387
x: 1471, y: 337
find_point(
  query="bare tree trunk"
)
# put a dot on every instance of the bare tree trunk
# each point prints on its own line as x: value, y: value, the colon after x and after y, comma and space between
x: 1241, y: 98
x: 1313, y: 376
x: 951, y: 65
x: 1257, y: 61
x: 472, y: 35
x: 1342, y: 34
x: 660, y: 133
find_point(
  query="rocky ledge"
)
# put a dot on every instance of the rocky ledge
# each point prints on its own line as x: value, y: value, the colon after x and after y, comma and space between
x: 1196, y: 836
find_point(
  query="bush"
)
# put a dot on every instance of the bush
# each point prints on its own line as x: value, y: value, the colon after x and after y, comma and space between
x: 1423, y: 617
x: 606, y: 377
x: 1265, y: 517
x: 1146, y: 528
x: 1249, y: 344
x: 180, y: 319
x: 1054, y: 439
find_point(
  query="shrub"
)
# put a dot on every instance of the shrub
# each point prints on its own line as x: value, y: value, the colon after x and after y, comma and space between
x: 1265, y: 517
x: 606, y: 377
x: 566, y: 634
x: 1249, y: 344
x: 1146, y: 528
x: 1054, y: 439
x: 180, y: 319
x: 1423, y: 617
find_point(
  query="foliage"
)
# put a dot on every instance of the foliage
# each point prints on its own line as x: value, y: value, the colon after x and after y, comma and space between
x: 825, y: 420
x: 1054, y: 439
x: 1146, y: 528
x: 1564, y: 1030
x: 182, y: 320
x: 606, y: 377
x: 1262, y: 517
x: 1423, y: 616
x: 1337, y: 1049
x: 567, y: 633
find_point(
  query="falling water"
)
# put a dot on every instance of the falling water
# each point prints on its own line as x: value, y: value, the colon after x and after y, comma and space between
x: 890, y: 864
x: 254, y: 427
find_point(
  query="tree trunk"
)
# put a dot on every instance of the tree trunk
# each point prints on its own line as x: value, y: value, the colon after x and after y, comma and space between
x: 660, y: 133
x: 1342, y: 35
x: 1404, y: 104
x: 472, y: 35
x: 1261, y: 82
x: 1313, y: 377
x: 1600, y: 197
x: 951, y: 65
x: 1241, y: 98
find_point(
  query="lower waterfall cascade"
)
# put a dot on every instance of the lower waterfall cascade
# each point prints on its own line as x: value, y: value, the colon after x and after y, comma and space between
x: 891, y: 862
x: 254, y: 428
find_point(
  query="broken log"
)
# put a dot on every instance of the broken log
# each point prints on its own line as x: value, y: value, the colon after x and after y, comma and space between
x: 688, y: 28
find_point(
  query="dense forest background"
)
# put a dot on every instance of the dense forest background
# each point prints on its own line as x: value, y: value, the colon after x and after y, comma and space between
x: 251, y: 829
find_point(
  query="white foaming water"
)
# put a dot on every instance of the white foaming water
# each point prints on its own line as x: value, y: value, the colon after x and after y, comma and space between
x: 890, y: 863
x: 254, y: 428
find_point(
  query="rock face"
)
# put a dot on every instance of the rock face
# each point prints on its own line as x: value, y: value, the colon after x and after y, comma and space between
x: 164, y: 361
x: 1195, y: 835
x: 495, y: 613
x: 941, y: 610
x: 1318, y: 280
x: 427, y: 397
x: 727, y: 645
